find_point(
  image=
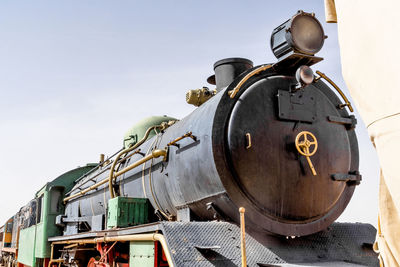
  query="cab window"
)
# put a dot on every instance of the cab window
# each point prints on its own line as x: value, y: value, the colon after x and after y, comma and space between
x: 55, y: 199
x: 9, y: 227
x: 39, y: 209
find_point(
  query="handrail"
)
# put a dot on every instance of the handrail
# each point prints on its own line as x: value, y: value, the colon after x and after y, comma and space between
x: 347, y: 102
x: 105, y: 169
x: 155, y: 154
x: 111, y: 176
x: 232, y: 93
x: 86, y: 190
x: 188, y: 134
x: 100, y: 164
x: 142, y: 237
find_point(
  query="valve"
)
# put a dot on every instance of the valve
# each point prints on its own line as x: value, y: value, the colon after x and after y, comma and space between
x: 303, y: 145
x: 197, y: 97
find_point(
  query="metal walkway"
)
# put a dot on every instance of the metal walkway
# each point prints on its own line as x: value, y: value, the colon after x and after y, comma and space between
x: 214, y: 244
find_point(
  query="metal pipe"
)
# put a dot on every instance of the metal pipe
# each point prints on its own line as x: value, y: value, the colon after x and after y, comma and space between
x: 73, y: 242
x: 51, y: 256
x: 155, y: 154
x: 347, y: 102
x: 142, y: 237
x: 106, y: 168
x: 76, y: 241
x: 139, y: 237
x: 242, y: 237
x: 86, y: 190
x: 188, y: 134
x: 91, y: 179
x: 55, y: 261
x: 235, y: 90
x: 98, y: 166
x: 111, y: 176
x: 108, y: 251
x: 110, y: 179
x: 127, y: 150
x: 71, y: 246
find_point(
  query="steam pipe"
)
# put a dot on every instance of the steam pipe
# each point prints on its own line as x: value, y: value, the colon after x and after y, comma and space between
x: 111, y: 176
x: 155, y: 154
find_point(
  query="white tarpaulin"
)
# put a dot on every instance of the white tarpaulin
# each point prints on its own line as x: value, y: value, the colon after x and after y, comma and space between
x: 369, y: 38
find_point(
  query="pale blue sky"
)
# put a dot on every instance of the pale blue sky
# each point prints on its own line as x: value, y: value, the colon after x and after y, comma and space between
x: 75, y: 75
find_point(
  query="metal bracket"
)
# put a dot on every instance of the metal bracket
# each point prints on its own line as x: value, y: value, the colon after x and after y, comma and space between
x: 349, y: 122
x: 295, y: 60
x: 60, y: 220
x: 183, y: 214
x: 351, y: 178
x: 297, y: 106
x: 218, y: 214
x: 248, y: 138
x: 76, y: 219
x: 188, y: 134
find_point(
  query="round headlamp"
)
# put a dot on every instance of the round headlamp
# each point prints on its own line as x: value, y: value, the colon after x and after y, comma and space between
x: 304, y: 75
x: 303, y: 34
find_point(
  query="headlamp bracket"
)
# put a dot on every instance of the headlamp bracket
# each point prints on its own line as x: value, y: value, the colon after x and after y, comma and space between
x: 294, y: 60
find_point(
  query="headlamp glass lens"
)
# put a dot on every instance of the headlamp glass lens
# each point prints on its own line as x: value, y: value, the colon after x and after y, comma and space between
x: 307, y: 34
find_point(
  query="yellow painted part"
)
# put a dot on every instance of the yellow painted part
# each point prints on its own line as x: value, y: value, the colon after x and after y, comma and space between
x: 304, y: 147
x: 235, y: 90
x: 330, y: 11
x: 7, y: 237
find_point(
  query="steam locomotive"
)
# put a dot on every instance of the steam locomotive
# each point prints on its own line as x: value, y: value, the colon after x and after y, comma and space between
x: 273, y: 140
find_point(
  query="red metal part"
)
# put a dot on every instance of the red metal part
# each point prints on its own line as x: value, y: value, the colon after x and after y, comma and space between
x: 91, y: 262
x: 46, y: 262
x: 107, y: 254
x: 160, y: 260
